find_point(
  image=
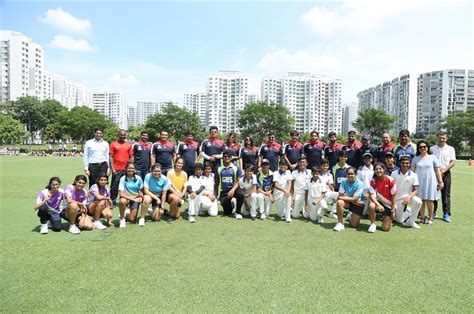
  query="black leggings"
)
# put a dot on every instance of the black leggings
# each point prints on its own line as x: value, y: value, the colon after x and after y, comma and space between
x: 226, y: 202
x: 44, y: 215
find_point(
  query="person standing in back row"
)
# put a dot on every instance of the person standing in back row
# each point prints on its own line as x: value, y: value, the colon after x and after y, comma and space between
x: 96, y: 157
x: 162, y: 152
x: 313, y: 150
x: 270, y: 150
x: 188, y: 151
x: 351, y: 147
x: 141, y: 155
x: 211, y: 149
x: 292, y: 151
x: 120, y: 153
x: 447, y: 159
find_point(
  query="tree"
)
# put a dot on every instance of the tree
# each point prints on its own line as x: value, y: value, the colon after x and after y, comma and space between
x: 11, y: 131
x: 257, y: 119
x: 51, y: 109
x: 460, y: 128
x: 177, y: 121
x: 374, y: 121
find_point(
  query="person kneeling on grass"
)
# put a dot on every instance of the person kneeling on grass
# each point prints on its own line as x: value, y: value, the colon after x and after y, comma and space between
x: 227, y: 179
x: 315, y: 196
x: 130, y: 192
x: 282, y: 181
x: 265, y: 185
x: 99, y: 202
x: 383, y: 198
x: 74, y: 204
x: 199, y: 188
x: 155, y: 188
x: 48, y: 206
x: 248, y: 184
x: 177, y: 191
x: 350, y: 197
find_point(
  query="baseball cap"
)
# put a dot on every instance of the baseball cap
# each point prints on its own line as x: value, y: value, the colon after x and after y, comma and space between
x: 366, y: 137
x: 265, y: 161
x: 367, y: 154
x: 389, y: 154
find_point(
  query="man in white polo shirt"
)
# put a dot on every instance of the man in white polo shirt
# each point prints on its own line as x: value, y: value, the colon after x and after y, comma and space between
x: 447, y: 159
x: 408, y: 204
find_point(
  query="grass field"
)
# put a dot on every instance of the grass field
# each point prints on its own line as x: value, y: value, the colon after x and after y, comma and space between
x: 223, y: 265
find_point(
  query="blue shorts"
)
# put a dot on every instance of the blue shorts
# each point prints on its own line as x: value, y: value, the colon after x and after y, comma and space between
x: 358, y: 210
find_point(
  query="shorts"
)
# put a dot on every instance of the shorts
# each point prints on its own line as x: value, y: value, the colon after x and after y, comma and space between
x: 154, y: 203
x: 133, y: 205
x: 168, y: 198
x: 358, y: 210
x: 386, y: 211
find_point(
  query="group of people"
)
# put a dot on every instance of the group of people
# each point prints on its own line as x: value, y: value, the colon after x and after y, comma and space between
x: 309, y: 180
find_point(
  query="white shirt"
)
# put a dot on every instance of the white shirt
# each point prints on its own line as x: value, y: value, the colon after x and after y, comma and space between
x: 326, y: 178
x: 195, y: 182
x: 245, y: 185
x: 405, y: 183
x: 96, y: 152
x: 315, y: 188
x: 444, y: 154
x: 300, y: 179
x: 365, y: 175
x: 208, y: 183
x: 283, y: 181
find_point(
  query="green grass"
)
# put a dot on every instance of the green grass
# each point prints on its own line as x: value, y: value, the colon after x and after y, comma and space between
x: 220, y: 264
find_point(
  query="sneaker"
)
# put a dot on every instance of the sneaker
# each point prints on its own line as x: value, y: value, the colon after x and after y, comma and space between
x: 238, y: 216
x: 372, y: 228
x: 338, y: 227
x: 333, y: 215
x: 320, y: 219
x: 253, y: 217
x: 99, y: 225
x: 447, y: 217
x: 123, y: 223
x: 288, y: 219
x: 412, y: 224
x: 169, y: 219
x: 74, y: 229
x: 141, y: 222
x: 44, y: 228
x: 191, y: 219
x: 348, y: 217
x: 263, y: 216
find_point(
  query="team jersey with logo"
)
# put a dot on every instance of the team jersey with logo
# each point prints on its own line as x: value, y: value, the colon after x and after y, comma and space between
x: 293, y: 151
x: 315, y: 188
x: 249, y: 156
x: 155, y: 185
x: 141, y: 155
x: 233, y: 149
x: 367, y: 149
x: 327, y: 178
x: 339, y: 173
x: 54, y: 202
x: 74, y: 194
x: 131, y: 186
x: 163, y: 151
x: 227, y: 177
x: 330, y: 153
x: 355, y: 188
x: 382, y: 150
x: 409, y: 150
x: 195, y: 183
x: 265, y: 181
x: 392, y: 170
x: 300, y: 180
x: 352, y: 151
x: 246, y: 186
x: 212, y: 146
x: 188, y: 151
x: 383, y: 190
x: 121, y: 153
x: 94, y: 189
x: 314, y: 152
x: 405, y: 183
x: 283, y: 180
x: 272, y: 153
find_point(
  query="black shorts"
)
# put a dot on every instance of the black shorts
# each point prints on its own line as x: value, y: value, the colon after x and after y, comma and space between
x: 386, y: 211
x: 168, y: 197
x: 154, y: 203
x: 358, y: 210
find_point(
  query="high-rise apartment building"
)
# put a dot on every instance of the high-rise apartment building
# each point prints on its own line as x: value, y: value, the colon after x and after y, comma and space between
x: 146, y: 108
x: 132, y: 116
x: 227, y: 93
x: 439, y: 94
x: 112, y: 104
x: 69, y: 94
x: 252, y: 99
x: 397, y: 98
x: 21, y: 66
x: 313, y: 101
x: 197, y: 103
x: 349, y: 115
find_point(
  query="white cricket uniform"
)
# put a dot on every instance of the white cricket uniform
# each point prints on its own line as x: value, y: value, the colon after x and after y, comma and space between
x: 250, y: 200
x: 300, y: 182
x: 316, y: 189
x: 201, y: 203
x: 282, y: 204
x: 365, y: 174
x: 263, y: 201
x: 405, y: 183
x: 327, y: 179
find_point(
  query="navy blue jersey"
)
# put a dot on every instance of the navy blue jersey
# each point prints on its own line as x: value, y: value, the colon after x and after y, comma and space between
x: 141, y: 155
x: 331, y: 153
x: 163, y: 152
x: 249, y: 156
x: 339, y: 173
x: 293, y: 151
x: 409, y: 150
x: 352, y: 151
x: 265, y: 182
x: 233, y: 149
x: 212, y: 146
x: 390, y: 170
x: 382, y: 150
x: 227, y: 177
x: 272, y: 153
x: 367, y: 149
x: 314, y: 153
x: 188, y: 151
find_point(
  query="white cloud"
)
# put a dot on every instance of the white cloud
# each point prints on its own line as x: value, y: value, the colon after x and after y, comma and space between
x: 69, y: 43
x: 125, y: 80
x: 65, y: 21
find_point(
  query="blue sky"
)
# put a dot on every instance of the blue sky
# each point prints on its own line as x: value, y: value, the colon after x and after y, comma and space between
x: 159, y: 50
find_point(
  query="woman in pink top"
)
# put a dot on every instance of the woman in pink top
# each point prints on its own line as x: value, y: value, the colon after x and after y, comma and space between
x: 75, y: 210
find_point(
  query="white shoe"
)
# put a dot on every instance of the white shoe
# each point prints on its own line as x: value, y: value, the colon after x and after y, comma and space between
x: 123, y: 223
x: 412, y: 224
x: 348, y: 217
x: 338, y: 227
x: 288, y: 219
x: 372, y: 228
x: 238, y: 216
x: 99, y: 225
x: 150, y: 211
x: 44, y: 228
x: 263, y: 216
x: 141, y: 222
x: 320, y: 219
x: 74, y: 229
x: 191, y: 219
x: 333, y: 215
